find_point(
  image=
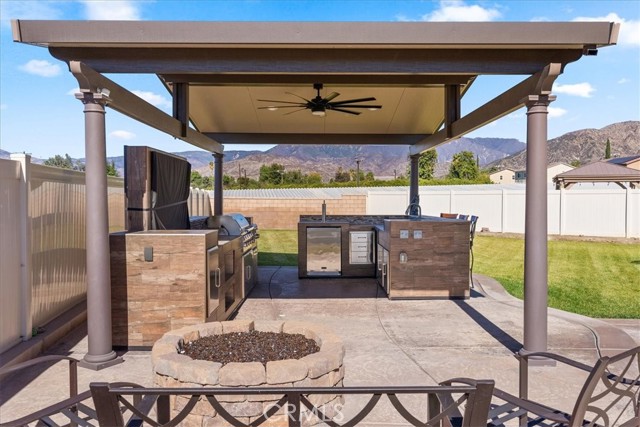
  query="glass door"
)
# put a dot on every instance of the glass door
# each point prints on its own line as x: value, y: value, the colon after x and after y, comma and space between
x: 213, y: 282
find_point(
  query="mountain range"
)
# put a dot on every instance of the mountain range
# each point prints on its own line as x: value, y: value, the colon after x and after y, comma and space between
x: 585, y: 146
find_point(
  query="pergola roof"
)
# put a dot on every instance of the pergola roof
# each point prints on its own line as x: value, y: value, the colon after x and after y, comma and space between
x: 217, y: 71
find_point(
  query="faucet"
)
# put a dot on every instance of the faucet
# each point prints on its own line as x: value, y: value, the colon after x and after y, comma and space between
x: 414, y: 209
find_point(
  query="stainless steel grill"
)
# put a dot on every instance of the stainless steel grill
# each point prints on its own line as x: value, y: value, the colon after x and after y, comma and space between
x: 235, y: 224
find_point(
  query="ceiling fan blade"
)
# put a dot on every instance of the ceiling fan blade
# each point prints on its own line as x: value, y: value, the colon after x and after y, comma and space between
x: 373, y: 107
x: 295, y: 111
x: 349, y: 101
x: 355, y: 113
x: 277, y: 107
x: 305, y: 99
x: 331, y: 96
x: 282, y: 102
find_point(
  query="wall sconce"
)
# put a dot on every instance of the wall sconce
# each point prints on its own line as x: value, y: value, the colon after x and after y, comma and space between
x: 403, y: 257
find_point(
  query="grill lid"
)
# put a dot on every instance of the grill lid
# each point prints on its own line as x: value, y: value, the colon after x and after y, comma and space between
x: 233, y: 224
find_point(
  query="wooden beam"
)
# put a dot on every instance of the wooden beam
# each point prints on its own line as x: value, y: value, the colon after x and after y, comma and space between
x: 316, y: 138
x: 135, y: 107
x: 451, y: 106
x: 274, y: 61
x: 505, y: 103
x: 181, y: 106
x: 288, y: 79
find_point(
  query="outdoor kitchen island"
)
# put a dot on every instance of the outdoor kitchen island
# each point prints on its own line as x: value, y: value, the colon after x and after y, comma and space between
x: 411, y: 257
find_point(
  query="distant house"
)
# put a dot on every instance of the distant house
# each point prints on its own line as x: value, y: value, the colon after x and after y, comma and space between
x: 612, y: 170
x: 632, y: 162
x: 552, y: 170
x: 505, y: 176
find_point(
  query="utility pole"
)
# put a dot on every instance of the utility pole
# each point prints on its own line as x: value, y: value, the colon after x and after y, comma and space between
x: 358, y: 172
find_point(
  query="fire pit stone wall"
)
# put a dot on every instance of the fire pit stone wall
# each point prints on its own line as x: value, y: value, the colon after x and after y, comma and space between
x: 322, y: 369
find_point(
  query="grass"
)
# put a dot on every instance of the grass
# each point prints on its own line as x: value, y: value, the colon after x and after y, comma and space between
x: 278, y: 247
x: 597, y: 279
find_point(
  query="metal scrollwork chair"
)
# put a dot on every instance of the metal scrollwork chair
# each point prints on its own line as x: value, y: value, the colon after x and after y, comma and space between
x: 609, y: 397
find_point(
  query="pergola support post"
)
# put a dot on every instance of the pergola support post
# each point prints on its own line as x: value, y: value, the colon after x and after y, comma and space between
x: 217, y: 184
x: 535, y: 233
x: 100, y: 354
x: 414, y: 194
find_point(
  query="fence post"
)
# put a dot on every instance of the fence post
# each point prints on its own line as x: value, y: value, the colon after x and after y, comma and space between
x: 627, y: 213
x: 26, y: 318
x: 503, y: 210
x: 562, y: 208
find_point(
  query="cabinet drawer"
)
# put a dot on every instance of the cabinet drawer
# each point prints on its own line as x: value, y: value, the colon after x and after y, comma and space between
x: 360, y: 258
x: 360, y: 246
x: 365, y: 236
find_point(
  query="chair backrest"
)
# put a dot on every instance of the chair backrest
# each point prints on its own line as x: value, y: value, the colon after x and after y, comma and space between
x: 449, y: 215
x: 611, y: 393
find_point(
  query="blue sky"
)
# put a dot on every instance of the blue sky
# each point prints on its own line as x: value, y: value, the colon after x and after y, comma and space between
x: 39, y: 115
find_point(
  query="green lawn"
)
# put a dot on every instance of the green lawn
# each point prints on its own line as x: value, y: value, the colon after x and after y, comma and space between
x: 278, y: 247
x: 598, y: 279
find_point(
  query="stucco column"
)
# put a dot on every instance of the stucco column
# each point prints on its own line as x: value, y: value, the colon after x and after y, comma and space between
x: 100, y: 353
x: 535, y: 229
x: 414, y: 196
x: 217, y: 184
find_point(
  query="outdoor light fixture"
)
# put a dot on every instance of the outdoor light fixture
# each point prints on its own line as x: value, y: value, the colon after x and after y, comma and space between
x: 318, y: 111
x: 272, y: 108
x: 106, y: 92
x: 403, y: 257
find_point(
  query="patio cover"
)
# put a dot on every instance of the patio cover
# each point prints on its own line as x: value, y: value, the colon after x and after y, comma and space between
x: 216, y: 72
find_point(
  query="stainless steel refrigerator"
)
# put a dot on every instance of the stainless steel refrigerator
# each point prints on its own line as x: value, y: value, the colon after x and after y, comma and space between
x: 323, y: 251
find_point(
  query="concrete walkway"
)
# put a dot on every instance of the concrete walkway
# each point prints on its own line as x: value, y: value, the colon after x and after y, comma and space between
x: 387, y: 342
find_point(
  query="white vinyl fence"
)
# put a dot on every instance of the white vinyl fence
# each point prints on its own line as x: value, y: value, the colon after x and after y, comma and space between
x: 42, y: 249
x: 576, y: 212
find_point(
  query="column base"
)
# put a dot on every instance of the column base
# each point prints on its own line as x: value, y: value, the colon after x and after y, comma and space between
x: 537, y: 360
x: 97, y: 363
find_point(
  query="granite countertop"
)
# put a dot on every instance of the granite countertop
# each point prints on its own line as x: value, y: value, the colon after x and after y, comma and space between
x: 376, y: 221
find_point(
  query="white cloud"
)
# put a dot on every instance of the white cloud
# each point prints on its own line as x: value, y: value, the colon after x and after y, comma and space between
x: 28, y: 10
x: 582, y: 90
x: 153, y: 98
x: 555, y: 112
x: 122, y: 134
x: 457, y: 10
x: 629, y: 29
x: 114, y: 10
x: 41, y: 68
x: 623, y: 81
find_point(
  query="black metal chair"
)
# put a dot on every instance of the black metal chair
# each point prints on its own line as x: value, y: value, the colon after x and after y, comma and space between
x: 609, y: 397
x: 74, y: 408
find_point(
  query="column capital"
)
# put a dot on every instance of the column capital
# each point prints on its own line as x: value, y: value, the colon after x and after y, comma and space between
x: 538, y: 100
x: 218, y: 155
x: 93, y: 98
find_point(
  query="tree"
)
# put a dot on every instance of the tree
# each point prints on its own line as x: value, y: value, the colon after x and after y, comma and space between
x: 369, y: 177
x: 426, y: 165
x: 341, y: 175
x: 607, y: 150
x: 272, y: 174
x: 464, y: 166
x: 314, y: 178
x: 111, y: 169
x: 65, y: 162
x: 575, y: 163
x: 228, y: 181
x: 199, y: 181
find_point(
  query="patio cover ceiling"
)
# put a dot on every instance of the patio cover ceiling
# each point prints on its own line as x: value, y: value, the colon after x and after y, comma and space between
x: 418, y: 72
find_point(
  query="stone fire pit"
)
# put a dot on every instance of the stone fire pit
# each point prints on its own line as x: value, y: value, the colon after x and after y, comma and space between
x: 322, y: 369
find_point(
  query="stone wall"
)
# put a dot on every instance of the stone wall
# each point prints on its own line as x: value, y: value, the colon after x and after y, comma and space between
x: 322, y: 369
x: 283, y: 214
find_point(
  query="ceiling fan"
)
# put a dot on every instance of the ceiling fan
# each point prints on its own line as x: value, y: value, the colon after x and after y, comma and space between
x: 320, y: 105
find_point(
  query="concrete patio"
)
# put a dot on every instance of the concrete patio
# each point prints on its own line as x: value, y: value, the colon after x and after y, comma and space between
x: 387, y: 342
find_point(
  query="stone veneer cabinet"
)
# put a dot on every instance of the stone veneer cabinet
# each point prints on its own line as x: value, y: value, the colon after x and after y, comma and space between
x: 322, y: 369
x: 437, y: 257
